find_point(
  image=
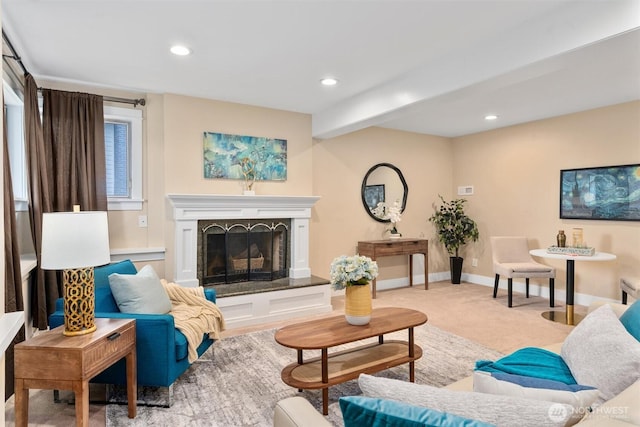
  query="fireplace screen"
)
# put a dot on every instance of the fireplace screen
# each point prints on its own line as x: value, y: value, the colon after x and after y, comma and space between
x: 236, y: 251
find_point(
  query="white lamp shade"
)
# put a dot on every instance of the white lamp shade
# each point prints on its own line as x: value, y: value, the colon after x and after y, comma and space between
x: 74, y: 240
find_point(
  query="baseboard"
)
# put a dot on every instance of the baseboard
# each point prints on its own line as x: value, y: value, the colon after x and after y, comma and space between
x: 534, y: 289
x: 476, y: 279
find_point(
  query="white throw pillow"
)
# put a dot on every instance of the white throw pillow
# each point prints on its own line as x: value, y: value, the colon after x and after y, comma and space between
x: 601, y: 353
x: 501, y: 411
x: 578, y: 397
x: 140, y: 293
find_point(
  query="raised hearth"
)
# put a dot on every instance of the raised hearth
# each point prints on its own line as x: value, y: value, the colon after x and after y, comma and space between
x: 246, y: 288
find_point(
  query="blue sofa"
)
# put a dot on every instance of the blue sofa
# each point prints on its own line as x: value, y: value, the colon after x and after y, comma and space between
x: 161, y: 348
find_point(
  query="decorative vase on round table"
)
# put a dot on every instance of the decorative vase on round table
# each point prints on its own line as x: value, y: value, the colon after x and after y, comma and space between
x: 357, y: 304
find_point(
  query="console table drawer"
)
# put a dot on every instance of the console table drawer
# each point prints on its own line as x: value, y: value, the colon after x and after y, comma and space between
x: 389, y: 250
x: 415, y: 246
x: 403, y: 248
x: 110, y: 347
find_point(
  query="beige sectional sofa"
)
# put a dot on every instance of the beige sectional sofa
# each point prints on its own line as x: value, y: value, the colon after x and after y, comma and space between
x: 621, y: 410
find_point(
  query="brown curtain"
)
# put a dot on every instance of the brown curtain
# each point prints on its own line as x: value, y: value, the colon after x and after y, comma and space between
x: 73, y: 125
x: 13, y: 276
x: 44, y: 283
x: 66, y: 168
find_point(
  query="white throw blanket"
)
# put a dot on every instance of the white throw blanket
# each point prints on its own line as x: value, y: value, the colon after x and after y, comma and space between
x: 194, y: 315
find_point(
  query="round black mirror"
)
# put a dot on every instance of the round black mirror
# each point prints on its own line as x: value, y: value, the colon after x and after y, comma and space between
x: 383, y: 183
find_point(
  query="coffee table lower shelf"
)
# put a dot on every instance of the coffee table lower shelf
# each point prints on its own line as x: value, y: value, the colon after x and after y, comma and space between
x: 336, y: 368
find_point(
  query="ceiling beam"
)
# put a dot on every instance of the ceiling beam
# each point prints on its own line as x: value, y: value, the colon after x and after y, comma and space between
x: 561, y: 31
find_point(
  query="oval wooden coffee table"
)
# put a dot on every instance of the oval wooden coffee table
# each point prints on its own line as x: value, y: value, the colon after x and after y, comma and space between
x: 335, y: 368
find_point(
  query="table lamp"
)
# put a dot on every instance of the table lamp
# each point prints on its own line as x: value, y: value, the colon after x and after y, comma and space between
x: 75, y: 242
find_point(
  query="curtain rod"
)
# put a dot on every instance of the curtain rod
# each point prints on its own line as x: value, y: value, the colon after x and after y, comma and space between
x: 14, y: 55
x: 134, y: 102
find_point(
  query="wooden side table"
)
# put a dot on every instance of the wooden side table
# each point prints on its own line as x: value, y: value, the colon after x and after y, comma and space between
x: 379, y: 248
x: 51, y: 360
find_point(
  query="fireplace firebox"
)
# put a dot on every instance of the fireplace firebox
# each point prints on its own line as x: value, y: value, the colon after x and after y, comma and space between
x: 232, y: 251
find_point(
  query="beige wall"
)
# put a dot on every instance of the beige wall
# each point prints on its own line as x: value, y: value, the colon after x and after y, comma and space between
x: 185, y: 119
x: 515, y: 172
x: 339, y: 219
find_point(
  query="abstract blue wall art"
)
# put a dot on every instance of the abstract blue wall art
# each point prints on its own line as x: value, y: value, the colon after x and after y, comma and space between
x: 224, y: 155
x: 604, y: 193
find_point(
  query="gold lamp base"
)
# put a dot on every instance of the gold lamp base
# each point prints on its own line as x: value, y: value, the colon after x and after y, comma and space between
x: 79, y: 301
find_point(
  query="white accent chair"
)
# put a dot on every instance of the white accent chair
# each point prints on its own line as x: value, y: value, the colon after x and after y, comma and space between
x: 630, y: 286
x: 511, y: 259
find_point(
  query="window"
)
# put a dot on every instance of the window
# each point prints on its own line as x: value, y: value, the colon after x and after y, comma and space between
x: 123, y: 154
x: 14, y: 108
x: 116, y: 145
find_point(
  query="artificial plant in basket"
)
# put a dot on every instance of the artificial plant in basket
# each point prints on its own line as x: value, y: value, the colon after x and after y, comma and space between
x: 454, y: 229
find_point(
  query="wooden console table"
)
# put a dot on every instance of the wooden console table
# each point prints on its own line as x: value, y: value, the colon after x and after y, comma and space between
x: 391, y: 247
x: 51, y: 360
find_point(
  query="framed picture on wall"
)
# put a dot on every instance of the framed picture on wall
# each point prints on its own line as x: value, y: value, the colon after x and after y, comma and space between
x: 374, y: 194
x: 601, y: 193
x: 225, y: 154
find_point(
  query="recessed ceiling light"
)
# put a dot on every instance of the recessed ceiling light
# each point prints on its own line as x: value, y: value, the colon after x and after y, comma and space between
x: 180, y: 50
x: 490, y: 117
x: 329, y: 81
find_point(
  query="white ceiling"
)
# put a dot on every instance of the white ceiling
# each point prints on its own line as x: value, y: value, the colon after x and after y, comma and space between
x: 432, y: 66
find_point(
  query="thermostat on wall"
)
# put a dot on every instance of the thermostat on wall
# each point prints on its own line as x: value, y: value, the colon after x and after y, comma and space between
x: 466, y: 190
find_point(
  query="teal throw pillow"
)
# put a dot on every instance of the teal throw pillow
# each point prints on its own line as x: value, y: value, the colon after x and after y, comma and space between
x: 358, y: 411
x: 140, y: 293
x: 630, y: 319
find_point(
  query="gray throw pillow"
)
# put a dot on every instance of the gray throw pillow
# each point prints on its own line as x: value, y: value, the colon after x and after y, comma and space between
x: 494, y: 409
x: 601, y: 353
x: 140, y: 293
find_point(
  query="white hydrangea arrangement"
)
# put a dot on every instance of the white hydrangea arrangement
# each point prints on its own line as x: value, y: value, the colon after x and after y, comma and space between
x: 393, y: 213
x: 352, y: 271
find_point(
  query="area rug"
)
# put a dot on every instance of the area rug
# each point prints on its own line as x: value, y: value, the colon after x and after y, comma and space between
x: 237, y: 381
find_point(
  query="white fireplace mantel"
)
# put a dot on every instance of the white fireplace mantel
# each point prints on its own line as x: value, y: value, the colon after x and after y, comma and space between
x: 187, y: 209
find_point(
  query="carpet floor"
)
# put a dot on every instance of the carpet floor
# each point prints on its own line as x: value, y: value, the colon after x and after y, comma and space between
x: 237, y: 381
